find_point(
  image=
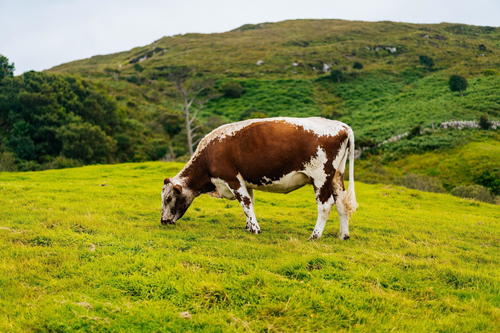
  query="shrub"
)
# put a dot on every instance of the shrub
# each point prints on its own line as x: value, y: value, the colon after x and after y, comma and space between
x: 337, y: 75
x: 232, y: 89
x: 61, y: 162
x: 7, y: 161
x: 426, y: 61
x: 422, y: 183
x: 476, y: 192
x: 138, y: 67
x: 490, y: 179
x: 357, y: 65
x: 365, y: 142
x: 457, y: 83
x: 484, y: 122
x: 415, y: 131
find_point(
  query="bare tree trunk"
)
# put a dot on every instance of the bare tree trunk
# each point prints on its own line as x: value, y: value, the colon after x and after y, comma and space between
x: 189, y: 131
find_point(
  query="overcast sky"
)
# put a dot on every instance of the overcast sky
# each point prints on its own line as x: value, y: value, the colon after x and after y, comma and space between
x: 39, y: 34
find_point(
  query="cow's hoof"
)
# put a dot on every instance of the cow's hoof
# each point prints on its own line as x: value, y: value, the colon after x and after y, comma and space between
x: 345, y: 237
x: 314, y: 237
x: 254, y: 231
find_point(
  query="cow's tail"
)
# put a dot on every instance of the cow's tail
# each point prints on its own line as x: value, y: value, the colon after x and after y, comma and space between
x: 349, y: 199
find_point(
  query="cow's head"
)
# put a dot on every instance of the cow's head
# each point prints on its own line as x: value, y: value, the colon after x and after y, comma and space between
x: 175, y: 200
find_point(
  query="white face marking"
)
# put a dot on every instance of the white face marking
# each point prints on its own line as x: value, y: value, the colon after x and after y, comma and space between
x: 169, y: 197
x: 167, y: 202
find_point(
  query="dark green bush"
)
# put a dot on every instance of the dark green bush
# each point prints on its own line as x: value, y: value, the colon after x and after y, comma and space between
x: 357, y: 65
x: 490, y: 179
x: 426, y: 61
x: 457, y: 83
x: 484, y: 122
x: 232, y: 89
x: 476, y: 192
x: 415, y: 131
x: 337, y: 75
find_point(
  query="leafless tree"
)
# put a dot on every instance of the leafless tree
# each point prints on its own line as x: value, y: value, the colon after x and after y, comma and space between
x: 194, y: 91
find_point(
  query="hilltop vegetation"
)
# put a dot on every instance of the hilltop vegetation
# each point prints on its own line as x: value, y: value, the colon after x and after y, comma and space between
x: 382, y: 78
x: 82, y: 249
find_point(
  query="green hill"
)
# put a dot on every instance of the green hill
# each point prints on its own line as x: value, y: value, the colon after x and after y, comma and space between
x: 82, y: 250
x: 387, y: 96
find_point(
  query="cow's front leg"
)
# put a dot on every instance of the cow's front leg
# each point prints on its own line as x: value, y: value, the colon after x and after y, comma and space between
x: 325, y: 200
x: 245, y: 198
x: 250, y: 192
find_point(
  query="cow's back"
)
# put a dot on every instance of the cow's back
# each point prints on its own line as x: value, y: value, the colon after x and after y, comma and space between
x: 263, y: 150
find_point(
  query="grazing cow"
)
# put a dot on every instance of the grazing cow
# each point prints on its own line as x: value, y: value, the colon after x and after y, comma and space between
x: 273, y: 154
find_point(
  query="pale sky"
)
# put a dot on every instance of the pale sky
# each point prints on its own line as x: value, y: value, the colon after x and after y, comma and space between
x: 39, y: 34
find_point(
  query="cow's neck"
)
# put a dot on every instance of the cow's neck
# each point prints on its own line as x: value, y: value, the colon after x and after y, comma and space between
x: 195, y: 176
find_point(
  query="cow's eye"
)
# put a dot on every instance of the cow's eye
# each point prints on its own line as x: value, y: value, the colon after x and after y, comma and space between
x: 168, y: 200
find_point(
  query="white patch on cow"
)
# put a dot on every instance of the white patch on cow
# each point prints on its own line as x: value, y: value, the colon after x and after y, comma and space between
x: 222, y: 188
x: 315, y: 168
x: 285, y: 184
x: 323, y: 213
x: 340, y: 159
x: 247, y: 205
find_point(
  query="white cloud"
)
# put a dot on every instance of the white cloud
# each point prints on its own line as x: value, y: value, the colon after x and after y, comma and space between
x: 39, y: 34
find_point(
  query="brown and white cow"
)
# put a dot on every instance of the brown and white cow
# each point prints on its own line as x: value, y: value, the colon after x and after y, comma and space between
x: 273, y: 154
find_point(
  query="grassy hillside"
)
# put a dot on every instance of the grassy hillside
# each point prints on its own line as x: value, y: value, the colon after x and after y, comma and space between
x: 386, y: 97
x: 83, y: 249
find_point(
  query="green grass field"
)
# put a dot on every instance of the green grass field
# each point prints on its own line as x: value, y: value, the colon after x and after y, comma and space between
x: 83, y: 250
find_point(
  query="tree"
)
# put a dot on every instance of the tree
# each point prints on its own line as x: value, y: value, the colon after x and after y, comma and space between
x: 194, y: 91
x: 357, y: 65
x: 458, y: 83
x: 232, y: 89
x: 484, y: 122
x: 6, y: 69
x: 336, y: 75
x: 426, y: 61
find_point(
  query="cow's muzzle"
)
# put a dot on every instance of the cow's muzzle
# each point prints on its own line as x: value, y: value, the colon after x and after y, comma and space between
x: 165, y: 222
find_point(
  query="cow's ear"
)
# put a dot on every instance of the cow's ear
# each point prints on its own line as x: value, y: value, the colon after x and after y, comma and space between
x: 166, y: 181
x: 177, y: 188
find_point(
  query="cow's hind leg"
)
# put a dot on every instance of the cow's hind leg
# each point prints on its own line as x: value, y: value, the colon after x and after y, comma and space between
x: 340, y: 193
x: 325, y: 200
x: 245, y: 198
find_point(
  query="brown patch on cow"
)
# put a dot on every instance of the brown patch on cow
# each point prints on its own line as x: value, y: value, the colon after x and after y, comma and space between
x: 247, y: 201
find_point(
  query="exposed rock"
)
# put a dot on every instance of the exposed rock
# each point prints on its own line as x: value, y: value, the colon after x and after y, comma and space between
x: 185, y: 315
